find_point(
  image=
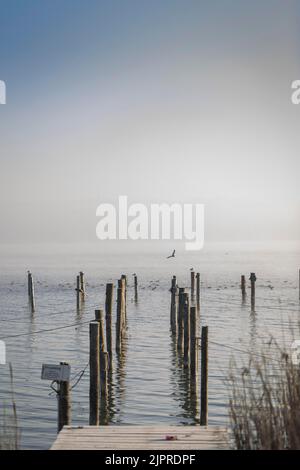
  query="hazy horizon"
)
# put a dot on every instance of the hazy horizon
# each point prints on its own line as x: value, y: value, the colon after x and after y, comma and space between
x: 174, y: 101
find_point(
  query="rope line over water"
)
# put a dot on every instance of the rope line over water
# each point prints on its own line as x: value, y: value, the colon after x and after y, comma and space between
x: 249, y: 353
x: 46, y: 330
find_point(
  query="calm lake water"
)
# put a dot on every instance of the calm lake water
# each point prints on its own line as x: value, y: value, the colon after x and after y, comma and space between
x: 148, y: 386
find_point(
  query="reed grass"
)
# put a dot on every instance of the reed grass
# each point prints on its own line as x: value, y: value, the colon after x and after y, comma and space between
x: 264, y: 405
x: 9, y: 429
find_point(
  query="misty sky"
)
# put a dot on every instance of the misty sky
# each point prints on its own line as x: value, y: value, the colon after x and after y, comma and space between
x: 161, y: 100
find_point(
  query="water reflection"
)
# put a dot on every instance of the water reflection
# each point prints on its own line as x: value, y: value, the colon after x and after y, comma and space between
x: 185, y: 386
x: 119, y: 377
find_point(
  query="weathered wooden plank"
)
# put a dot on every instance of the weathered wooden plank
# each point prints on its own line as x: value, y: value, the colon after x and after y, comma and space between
x: 136, y: 428
x: 141, y: 437
x: 120, y: 429
x: 150, y: 433
x: 144, y: 447
x: 155, y: 444
x: 147, y: 446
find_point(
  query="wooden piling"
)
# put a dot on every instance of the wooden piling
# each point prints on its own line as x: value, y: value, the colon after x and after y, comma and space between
x: 204, y: 377
x: 82, y: 286
x: 173, y: 312
x: 124, y: 279
x: 243, y: 286
x: 193, y: 342
x: 119, y: 319
x: 180, y: 319
x: 94, y: 373
x: 64, y: 403
x: 192, y: 285
x: 108, y: 320
x: 186, y: 330
x: 99, y: 318
x: 103, y: 377
x: 122, y: 286
x: 29, y: 283
x: 103, y: 360
x: 253, y: 280
x: 78, y: 292
x: 135, y: 288
x: 198, y: 290
x: 31, y: 292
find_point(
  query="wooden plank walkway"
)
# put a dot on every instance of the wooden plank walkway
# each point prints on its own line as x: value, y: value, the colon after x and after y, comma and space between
x: 141, y: 438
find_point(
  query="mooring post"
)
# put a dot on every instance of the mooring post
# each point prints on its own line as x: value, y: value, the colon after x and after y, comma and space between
x: 253, y: 280
x: 78, y: 292
x: 243, y: 286
x: 180, y: 319
x: 122, y: 285
x: 103, y: 358
x: 94, y: 373
x: 124, y: 279
x: 119, y: 319
x: 173, y: 306
x: 82, y: 286
x: 198, y: 290
x: 192, y: 285
x: 204, y: 377
x: 103, y: 377
x: 64, y: 403
x: 29, y: 283
x: 135, y: 287
x: 31, y: 292
x: 108, y: 320
x: 99, y: 318
x: 186, y: 330
x: 193, y: 342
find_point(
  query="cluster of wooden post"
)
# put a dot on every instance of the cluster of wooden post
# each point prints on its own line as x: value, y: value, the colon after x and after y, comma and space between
x: 99, y: 366
x: 252, y: 280
x: 101, y: 348
x: 100, y: 357
x: 101, y: 352
x: 183, y: 319
x: 176, y: 318
x: 31, y: 291
x: 80, y: 289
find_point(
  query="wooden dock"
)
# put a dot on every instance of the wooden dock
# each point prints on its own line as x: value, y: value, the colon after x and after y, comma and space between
x: 142, y: 438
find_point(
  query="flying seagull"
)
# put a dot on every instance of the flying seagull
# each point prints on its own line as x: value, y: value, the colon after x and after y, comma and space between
x: 172, y: 255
